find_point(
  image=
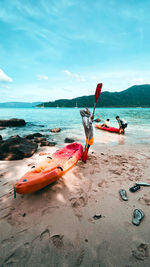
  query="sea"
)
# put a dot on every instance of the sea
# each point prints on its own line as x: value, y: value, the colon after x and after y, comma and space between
x: 69, y: 120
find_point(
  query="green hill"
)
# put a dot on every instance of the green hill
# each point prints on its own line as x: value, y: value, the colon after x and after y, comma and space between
x: 135, y: 96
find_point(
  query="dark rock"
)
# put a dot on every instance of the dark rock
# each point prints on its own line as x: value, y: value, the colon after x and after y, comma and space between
x: 2, y: 128
x: 97, y: 120
x: 15, y: 148
x: 38, y: 135
x: 55, y: 130
x: 1, y: 137
x: 15, y: 136
x: 45, y: 143
x: 69, y: 140
x: 97, y: 217
x: 12, y: 122
x: 31, y: 136
x: 39, y: 139
x: 52, y: 143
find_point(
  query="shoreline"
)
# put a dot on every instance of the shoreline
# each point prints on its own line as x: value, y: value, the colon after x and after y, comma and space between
x: 55, y: 225
x: 71, y: 124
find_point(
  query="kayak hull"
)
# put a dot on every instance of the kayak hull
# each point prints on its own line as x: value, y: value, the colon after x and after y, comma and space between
x: 50, y: 169
x: 109, y: 129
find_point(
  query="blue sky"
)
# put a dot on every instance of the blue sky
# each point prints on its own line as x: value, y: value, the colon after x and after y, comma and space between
x: 52, y: 49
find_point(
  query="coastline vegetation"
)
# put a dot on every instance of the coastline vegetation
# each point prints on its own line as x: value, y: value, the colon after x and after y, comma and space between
x: 135, y: 96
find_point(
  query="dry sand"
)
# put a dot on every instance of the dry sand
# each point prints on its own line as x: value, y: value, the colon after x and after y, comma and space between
x: 55, y: 226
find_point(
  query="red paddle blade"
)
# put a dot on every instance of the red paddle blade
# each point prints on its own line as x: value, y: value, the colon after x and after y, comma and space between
x: 98, y: 91
x: 84, y: 155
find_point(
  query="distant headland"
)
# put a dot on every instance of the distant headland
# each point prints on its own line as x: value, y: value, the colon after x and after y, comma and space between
x: 135, y: 96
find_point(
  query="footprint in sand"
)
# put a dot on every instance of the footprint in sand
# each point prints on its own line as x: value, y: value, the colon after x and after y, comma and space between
x: 5, y: 184
x: 141, y: 252
x: 7, y: 241
x: 48, y: 210
x: 77, y: 203
x: 132, y: 170
x: 115, y: 172
x: 92, y: 172
x: 102, y: 253
x: 40, y: 248
x: 102, y: 183
x: 79, y: 258
x: 31, y: 164
x: 57, y: 240
x: 4, y: 174
x: 18, y: 255
x: 45, y: 242
x: 74, y: 254
x: 144, y: 200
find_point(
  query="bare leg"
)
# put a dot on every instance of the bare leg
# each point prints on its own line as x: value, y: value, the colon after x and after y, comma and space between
x: 121, y: 131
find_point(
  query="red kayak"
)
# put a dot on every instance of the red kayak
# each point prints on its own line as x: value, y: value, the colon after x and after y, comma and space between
x: 109, y: 129
x: 50, y: 169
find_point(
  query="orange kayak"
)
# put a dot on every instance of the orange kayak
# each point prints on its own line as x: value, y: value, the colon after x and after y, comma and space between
x: 109, y: 129
x: 50, y: 169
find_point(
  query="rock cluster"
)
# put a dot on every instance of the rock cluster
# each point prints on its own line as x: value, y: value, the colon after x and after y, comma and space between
x: 55, y: 130
x: 69, y: 140
x: 15, y: 148
x: 40, y: 139
x: 12, y: 123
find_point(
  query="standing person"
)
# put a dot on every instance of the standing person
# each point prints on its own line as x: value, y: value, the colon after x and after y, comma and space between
x: 122, y: 125
x: 87, y: 121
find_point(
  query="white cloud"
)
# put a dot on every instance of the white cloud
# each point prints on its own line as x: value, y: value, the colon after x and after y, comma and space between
x: 4, y: 86
x: 75, y: 76
x: 42, y: 77
x: 67, y: 72
x: 138, y: 81
x: 4, y: 77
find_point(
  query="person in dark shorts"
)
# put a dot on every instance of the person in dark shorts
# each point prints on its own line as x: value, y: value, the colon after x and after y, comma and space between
x: 122, y: 125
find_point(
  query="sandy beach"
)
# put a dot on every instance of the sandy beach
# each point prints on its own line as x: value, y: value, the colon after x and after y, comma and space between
x: 65, y: 67
x: 56, y: 226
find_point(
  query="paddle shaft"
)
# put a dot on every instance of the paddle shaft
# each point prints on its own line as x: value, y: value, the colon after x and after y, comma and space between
x: 94, y: 109
x: 100, y: 116
x: 97, y: 94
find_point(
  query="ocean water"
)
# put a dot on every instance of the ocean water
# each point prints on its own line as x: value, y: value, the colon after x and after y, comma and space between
x: 69, y: 120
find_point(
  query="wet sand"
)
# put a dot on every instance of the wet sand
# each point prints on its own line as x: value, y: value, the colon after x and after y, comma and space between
x: 55, y: 226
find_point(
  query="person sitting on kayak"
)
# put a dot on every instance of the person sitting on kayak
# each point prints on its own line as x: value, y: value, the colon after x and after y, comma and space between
x: 87, y: 121
x: 106, y: 123
x: 122, y: 125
